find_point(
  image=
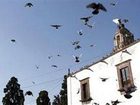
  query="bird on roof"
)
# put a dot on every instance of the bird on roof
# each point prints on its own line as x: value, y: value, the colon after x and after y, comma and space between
x: 103, y: 61
x: 103, y: 79
x: 56, y: 26
x: 126, y: 51
x: 28, y: 5
x: 89, y: 69
x: 29, y: 93
x: 13, y: 40
x: 86, y: 19
x: 54, y: 66
x: 96, y: 7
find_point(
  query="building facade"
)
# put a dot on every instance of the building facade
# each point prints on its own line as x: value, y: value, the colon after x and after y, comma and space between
x: 115, y: 79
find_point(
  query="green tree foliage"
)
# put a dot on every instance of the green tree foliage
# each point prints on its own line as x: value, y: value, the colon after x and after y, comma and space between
x: 43, y: 98
x: 61, y: 99
x: 13, y: 94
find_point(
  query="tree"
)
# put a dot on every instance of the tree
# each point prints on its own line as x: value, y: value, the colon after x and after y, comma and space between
x: 61, y: 99
x: 13, y: 94
x: 43, y: 98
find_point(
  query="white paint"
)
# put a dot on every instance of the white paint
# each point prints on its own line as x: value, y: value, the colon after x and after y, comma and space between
x: 104, y: 92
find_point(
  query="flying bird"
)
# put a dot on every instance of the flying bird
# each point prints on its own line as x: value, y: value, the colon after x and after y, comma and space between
x: 54, y: 66
x: 13, y: 40
x: 56, y: 26
x: 77, y: 47
x: 92, y: 45
x: 125, y: 20
x: 96, y: 7
x: 117, y: 21
x: 77, y: 58
x: 78, y: 91
x: 37, y: 67
x: 90, y: 26
x: 29, y: 93
x: 86, y: 19
x: 115, y: 102
x: 49, y: 57
x: 103, y: 79
x: 58, y: 55
x: 113, y: 4
x: 75, y: 42
x: 28, y: 5
x: 80, y: 32
x: 33, y: 82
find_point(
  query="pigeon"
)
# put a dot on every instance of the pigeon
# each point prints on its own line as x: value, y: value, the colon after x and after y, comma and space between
x: 103, y: 61
x: 28, y: 5
x: 78, y: 91
x: 29, y: 93
x: 125, y: 51
x: 56, y: 26
x: 90, y: 26
x: 13, y: 40
x: 86, y: 19
x: 33, y: 82
x: 75, y: 42
x: 96, y: 7
x: 77, y: 58
x: 125, y: 20
x: 80, y: 32
x: 73, y: 76
x: 113, y: 4
x: 54, y: 66
x: 37, y: 67
x: 103, y: 79
x: 58, y: 55
x: 77, y: 47
x: 115, y: 102
x: 92, y: 45
x: 89, y: 69
x: 49, y: 57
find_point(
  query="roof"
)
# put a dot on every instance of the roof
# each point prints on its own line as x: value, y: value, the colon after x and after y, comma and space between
x: 107, y: 56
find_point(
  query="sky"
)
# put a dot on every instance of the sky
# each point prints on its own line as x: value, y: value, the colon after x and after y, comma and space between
x: 36, y: 40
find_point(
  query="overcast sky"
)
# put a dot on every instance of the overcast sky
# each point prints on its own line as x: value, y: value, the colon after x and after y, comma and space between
x: 36, y: 40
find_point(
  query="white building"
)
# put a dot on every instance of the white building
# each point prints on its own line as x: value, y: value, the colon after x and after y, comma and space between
x: 113, y: 80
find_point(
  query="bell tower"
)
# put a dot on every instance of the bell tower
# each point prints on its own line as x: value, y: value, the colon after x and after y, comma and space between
x: 123, y: 37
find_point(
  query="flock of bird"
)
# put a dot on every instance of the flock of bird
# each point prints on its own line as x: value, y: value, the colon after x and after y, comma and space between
x: 96, y: 8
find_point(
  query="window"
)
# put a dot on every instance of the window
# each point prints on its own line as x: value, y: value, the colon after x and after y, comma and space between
x: 85, y: 91
x: 125, y: 77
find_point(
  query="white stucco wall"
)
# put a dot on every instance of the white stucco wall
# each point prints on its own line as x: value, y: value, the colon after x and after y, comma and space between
x: 104, y: 92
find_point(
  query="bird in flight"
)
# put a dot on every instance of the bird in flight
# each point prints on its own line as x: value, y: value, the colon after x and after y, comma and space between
x: 29, y: 93
x: 125, y: 20
x: 75, y: 42
x: 80, y: 32
x: 96, y: 7
x: 28, y: 5
x: 115, y: 102
x: 13, y: 40
x: 54, y: 66
x: 103, y: 79
x: 37, y: 67
x: 56, y: 26
x: 86, y: 19
x: 77, y: 47
x: 77, y: 58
